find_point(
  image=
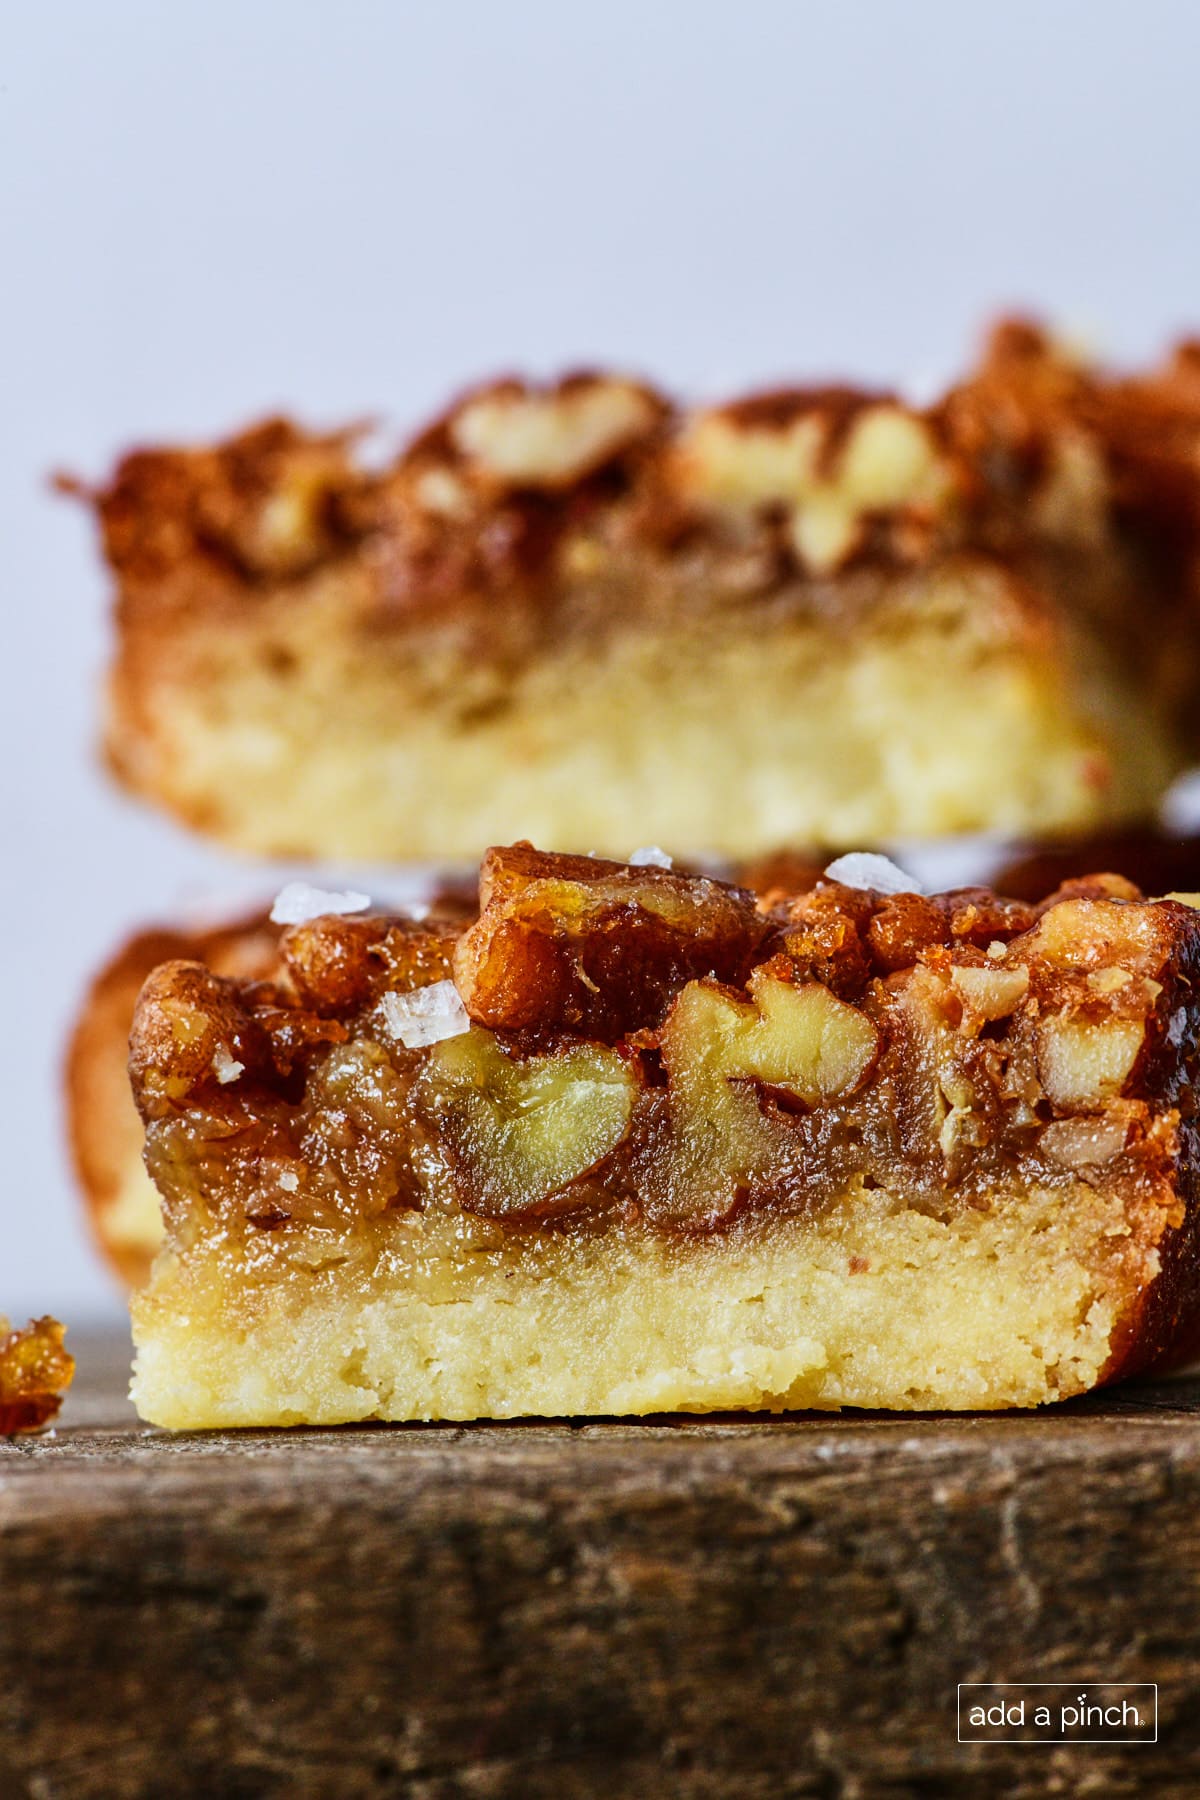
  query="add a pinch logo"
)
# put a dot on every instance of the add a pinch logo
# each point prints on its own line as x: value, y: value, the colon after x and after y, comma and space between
x: 1057, y: 1712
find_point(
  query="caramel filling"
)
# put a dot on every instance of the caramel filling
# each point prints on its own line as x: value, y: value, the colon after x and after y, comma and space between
x: 608, y: 1044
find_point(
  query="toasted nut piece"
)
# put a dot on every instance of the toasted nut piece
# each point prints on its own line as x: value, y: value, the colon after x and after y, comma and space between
x: 441, y: 492
x: 806, y: 447
x: 891, y: 459
x: 189, y: 1024
x: 1073, y: 501
x: 193, y: 1030
x: 991, y: 992
x: 831, y: 460
x: 721, y: 1052
x: 1084, y: 1063
x: 978, y: 916
x: 551, y: 439
x: 336, y: 962
x: 597, y: 946
x: 962, y: 1129
x: 799, y: 1038
x: 825, y: 532
x: 289, y: 533
x: 329, y: 961
x: 1108, y: 981
x: 907, y: 925
x: 1084, y: 1142
x: 263, y: 499
x: 521, y: 1129
x: 904, y: 926
x: 723, y: 462
x: 823, y: 939
x: 1086, y: 934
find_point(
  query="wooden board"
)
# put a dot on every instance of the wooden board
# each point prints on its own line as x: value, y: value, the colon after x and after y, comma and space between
x: 718, y: 1607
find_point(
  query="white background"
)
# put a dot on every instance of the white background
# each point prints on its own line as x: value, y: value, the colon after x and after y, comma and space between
x: 209, y: 210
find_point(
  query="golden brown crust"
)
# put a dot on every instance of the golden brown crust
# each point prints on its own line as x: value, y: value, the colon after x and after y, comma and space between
x: 940, y: 1047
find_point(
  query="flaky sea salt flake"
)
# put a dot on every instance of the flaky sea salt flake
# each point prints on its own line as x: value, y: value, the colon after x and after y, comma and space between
x: 297, y: 903
x: 864, y: 869
x: 426, y: 1015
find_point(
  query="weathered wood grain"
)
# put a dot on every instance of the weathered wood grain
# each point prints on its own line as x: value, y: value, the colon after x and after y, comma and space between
x: 725, y: 1607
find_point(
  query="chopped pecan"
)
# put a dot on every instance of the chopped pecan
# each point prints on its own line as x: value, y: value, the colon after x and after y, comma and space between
x: 598, y: 947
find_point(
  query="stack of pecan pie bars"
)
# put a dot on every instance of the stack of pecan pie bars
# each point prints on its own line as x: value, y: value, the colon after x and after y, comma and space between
x: 697, y: 1092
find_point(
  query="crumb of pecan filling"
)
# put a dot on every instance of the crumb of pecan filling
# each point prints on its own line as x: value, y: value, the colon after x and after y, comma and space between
x: 35, y: 1372
x: 639, y: 1042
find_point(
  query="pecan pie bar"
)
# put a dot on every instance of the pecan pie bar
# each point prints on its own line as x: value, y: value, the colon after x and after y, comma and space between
x: 632, y: 1141
x: 581, y: 614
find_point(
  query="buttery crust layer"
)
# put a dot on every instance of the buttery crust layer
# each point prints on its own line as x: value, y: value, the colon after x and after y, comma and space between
x: 554, y: 1160
x: 580, y: 613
